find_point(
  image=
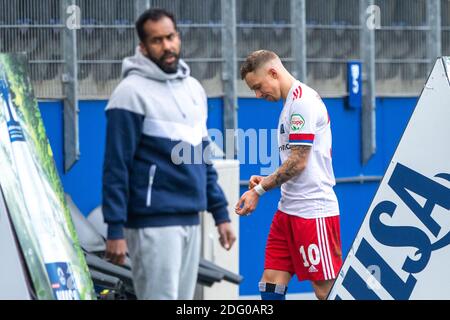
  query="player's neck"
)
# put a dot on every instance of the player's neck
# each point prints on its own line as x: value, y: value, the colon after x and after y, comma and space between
x: 286, y: 85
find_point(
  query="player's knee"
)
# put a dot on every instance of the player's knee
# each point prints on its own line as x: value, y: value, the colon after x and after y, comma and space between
x: 272, y: 291
x: 275, y: 276
x: 322, y: 288
x: 321, y: 294
x: 268, y: 278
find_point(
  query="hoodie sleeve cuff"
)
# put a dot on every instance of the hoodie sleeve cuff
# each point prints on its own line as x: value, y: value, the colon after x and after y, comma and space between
x: 115, y: 231
x: 221, y: 215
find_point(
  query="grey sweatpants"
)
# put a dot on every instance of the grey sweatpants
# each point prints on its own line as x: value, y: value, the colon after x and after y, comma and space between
x: 164, y: 261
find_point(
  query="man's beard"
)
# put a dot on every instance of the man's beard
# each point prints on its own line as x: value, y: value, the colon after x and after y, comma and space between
x: 167, y: 68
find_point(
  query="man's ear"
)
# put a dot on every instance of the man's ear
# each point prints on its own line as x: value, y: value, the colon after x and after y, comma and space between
x: 143, y: 49
x: 273, y: 73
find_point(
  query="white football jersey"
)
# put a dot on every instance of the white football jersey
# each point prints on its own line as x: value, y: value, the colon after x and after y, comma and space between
x: 304, y: 120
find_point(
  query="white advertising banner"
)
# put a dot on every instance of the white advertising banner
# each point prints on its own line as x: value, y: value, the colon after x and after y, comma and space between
x: 34, y: 197
x: 402, y: 250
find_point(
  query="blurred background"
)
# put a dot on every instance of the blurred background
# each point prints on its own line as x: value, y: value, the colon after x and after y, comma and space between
x: 75, y: 71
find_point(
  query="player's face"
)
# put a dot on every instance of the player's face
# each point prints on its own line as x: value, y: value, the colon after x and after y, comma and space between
x: 264, y: 83
x: 162, y: 44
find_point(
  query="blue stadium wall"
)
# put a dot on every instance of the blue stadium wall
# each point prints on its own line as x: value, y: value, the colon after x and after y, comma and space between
x: 83, y: 182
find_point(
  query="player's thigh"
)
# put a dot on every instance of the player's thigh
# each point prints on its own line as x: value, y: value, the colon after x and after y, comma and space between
x: 276, y: 276
x: 277, y: 253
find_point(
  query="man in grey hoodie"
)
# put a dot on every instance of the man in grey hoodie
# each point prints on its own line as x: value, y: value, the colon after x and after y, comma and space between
x: 152, y: 195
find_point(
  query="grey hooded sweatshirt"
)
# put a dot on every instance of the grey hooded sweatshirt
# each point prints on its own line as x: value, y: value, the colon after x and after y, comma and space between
x: 154, y: 173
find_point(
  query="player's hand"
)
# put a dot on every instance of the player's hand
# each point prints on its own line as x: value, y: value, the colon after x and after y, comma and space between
x: 226, y: 235
x: 254, y: 181
x: 116, y: 251
x: 247, y: 204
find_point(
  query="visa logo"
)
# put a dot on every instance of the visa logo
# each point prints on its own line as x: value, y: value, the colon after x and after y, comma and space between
x: 402, y: 181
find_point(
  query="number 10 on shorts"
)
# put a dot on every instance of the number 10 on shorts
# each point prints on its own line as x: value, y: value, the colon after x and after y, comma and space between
x: 313, y: 257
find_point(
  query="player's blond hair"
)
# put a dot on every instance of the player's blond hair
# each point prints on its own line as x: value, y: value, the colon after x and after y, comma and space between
x: 255, y: 60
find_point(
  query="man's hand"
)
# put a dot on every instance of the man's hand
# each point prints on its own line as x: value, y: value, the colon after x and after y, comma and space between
x: 247, y: 204
x: 226, y: 235
x: 254, y: 181
x: 116, y: 251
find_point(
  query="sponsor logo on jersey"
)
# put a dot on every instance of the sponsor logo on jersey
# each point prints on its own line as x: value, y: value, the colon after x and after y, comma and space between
x: 284, y: 147
x: 297, y: 122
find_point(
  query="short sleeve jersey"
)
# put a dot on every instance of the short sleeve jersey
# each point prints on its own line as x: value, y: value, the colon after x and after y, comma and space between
x: 304, y: 121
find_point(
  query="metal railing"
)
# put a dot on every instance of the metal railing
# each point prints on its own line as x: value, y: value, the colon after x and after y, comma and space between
x: 314, y: 38
x: 332, y: 37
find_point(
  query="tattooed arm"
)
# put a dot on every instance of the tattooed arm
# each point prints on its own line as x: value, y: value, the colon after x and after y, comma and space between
x: 292, y: 167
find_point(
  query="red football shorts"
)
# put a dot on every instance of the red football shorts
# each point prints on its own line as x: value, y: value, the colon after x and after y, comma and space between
x: 309, y: 248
